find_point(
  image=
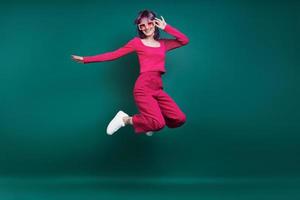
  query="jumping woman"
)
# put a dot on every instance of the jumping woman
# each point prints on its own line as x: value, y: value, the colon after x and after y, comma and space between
x: 156, y: 107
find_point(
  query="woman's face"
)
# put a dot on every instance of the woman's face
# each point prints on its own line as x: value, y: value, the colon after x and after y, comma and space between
x: 147, y: 26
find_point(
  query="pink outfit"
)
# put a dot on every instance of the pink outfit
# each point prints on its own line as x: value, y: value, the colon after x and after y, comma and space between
x: 156, y: 107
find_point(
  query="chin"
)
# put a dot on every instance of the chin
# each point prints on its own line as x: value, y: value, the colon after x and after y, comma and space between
x: 149, y: 34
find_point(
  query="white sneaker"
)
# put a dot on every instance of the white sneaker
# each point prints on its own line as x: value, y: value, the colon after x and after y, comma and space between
x: 149, y: 133
x: 116, y: 123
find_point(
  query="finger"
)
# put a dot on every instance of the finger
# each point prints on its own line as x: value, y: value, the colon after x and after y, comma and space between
x: 163, y: 19
x: 158, y: 19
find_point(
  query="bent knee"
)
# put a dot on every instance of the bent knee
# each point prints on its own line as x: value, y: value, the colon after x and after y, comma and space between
x: 177, y: 121
x: 181, y: 119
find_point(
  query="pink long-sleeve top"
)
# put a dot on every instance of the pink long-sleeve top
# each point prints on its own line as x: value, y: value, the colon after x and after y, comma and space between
x: 150, y: 58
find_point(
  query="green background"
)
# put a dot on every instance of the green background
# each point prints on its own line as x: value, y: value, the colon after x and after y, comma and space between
x: 237, y: 81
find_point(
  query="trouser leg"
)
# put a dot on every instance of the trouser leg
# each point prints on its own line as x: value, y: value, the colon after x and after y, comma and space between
x: 173, y: 115
x: 150, y: 117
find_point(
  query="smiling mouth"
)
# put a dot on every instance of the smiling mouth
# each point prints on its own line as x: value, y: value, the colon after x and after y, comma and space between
x: 148, y: 31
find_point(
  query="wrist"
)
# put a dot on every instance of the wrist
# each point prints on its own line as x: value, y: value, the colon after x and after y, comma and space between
x: 165, y: 27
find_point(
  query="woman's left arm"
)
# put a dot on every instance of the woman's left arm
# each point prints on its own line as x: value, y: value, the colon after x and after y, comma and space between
x: 181, y: 39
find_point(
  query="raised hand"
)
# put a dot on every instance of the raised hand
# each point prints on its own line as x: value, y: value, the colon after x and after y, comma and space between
x: 78, y: 59
x: 160, y: 23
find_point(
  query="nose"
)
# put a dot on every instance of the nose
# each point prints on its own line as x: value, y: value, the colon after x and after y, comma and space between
x: 149, y: 25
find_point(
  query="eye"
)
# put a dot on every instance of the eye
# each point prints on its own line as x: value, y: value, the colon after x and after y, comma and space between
x: 150, y: 23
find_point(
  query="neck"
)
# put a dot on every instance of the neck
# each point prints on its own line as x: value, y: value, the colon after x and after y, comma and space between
x: 149, y: 38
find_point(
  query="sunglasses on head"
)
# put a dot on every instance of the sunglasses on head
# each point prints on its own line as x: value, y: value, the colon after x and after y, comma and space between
x: 143, y: 26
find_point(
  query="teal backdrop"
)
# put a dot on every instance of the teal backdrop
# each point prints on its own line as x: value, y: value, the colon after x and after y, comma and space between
x: 237, y: 81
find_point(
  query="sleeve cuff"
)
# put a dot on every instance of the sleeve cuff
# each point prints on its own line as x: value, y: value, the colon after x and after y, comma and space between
x: 167, y: 27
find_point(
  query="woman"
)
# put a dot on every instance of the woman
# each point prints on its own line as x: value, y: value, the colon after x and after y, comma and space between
x: 156, y: 107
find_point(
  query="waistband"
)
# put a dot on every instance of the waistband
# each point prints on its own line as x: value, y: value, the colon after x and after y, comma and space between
x: 154, y: 73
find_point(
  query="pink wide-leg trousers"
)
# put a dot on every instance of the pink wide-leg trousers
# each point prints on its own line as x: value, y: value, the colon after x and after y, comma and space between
x: 156, y: 107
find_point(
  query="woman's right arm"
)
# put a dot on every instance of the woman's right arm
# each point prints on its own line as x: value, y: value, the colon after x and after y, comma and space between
x: 108, y: 56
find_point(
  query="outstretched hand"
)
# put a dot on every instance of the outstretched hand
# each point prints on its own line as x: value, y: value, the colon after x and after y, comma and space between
x: 78, y: 59
x: 160, y: 23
